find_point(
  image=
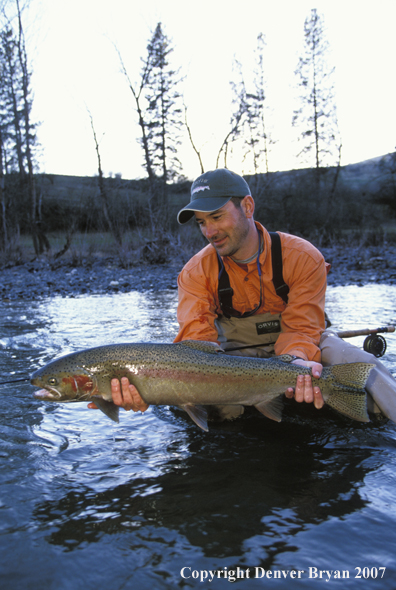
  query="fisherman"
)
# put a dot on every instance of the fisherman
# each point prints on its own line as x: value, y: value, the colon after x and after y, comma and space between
x: 250, y: 287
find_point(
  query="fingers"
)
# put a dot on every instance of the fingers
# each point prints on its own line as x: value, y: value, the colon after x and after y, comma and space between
x: 289, y: 393
x: 127, y: 396
x: 318, y: 398
x: 317, y: 369
x: 306, y: 390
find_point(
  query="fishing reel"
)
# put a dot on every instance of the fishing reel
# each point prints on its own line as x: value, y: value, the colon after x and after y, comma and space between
x: 375, y: 344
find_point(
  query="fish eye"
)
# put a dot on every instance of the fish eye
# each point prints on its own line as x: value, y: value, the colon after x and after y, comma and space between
x: 52, y: 381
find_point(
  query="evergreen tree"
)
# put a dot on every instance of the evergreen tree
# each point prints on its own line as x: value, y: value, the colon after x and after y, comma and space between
x: 164, y: 110
x: 159, y: 109
x: 316, y: 118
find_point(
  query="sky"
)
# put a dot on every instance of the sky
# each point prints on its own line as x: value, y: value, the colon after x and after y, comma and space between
x: 71, y: 46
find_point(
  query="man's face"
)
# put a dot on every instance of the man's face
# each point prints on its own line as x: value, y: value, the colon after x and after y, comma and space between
x: 226, y: 229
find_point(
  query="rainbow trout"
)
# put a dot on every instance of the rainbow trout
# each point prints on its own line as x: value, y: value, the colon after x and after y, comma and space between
x: 193, y: 374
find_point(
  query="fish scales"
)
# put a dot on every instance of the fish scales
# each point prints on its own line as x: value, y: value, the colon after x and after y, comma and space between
x: 192, y: 374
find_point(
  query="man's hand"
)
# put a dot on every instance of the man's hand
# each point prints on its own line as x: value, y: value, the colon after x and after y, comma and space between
x: 126, y: 396
x: 306, y: 390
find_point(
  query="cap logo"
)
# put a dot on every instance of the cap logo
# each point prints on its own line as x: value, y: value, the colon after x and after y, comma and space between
x: 197, y: 189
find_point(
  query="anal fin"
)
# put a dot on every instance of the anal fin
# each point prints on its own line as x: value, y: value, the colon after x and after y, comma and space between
x: 198, y: 414
x: 272, y: 409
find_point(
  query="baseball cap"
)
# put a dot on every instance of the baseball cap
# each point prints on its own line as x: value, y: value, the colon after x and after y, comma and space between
x: 211, y: 191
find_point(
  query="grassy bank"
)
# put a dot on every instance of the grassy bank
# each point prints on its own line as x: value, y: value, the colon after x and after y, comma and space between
x: 81, y: 248
x: 139, y: 247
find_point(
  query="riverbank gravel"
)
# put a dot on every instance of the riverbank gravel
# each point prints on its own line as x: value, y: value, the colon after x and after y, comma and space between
x: 46, y: 278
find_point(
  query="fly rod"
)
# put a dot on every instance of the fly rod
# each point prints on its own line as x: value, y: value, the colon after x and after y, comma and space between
x: 374, y: 344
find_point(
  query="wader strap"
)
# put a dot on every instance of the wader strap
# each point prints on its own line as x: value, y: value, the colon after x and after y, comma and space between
x: 225, y: 291
x: 277, y: 267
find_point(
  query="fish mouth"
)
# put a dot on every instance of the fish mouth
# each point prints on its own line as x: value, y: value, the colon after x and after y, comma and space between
x: 46, y: 394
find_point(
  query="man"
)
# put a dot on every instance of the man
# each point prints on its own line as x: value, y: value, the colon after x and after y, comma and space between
x: 249, y: 309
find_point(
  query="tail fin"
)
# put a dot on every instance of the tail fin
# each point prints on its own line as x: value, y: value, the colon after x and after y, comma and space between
x: 348, y: 394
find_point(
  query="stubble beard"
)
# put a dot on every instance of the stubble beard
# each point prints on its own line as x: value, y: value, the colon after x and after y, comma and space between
x: 235, y: 241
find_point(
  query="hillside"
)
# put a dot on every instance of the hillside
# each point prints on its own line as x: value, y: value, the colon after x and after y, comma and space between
x: 364, y: 176
x: 354, y: 197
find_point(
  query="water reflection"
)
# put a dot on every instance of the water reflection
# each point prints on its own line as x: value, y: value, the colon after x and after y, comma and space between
x: 155, y: 494
x: 272, y: 490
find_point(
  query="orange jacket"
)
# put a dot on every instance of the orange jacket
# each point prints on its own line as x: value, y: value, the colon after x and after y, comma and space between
x: 304, y: 271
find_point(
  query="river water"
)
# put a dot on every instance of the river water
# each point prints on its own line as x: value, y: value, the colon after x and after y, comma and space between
x: 155, y: 502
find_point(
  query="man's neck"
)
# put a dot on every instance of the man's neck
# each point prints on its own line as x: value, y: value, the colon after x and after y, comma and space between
x: 250, y: 250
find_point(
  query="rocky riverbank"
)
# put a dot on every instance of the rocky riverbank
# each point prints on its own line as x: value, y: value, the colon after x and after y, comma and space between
x: 45, y: 278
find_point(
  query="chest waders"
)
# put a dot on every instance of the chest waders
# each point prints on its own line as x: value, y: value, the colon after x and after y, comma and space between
x: 261, y: 330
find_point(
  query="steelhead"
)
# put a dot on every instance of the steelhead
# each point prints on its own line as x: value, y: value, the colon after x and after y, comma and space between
x: 193, y: 374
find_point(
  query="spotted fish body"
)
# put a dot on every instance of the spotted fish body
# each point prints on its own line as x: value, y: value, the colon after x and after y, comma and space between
x: 193, y: 374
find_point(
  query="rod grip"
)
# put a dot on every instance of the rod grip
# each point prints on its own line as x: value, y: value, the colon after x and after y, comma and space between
x: 366, y: 332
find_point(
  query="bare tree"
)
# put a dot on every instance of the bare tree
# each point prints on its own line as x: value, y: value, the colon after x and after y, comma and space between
x: 18, y: 133
x: 259, y: 108
x: 138, y: 96
x: 196, y: 150
x: 113, y: 224
x: 40, y: 241
x: 235, y: 124
x: 249, y: 119
x: 4, y: 224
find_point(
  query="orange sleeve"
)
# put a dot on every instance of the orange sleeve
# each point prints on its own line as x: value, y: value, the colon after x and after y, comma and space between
x: 196, y: 310
x: 303, y: 318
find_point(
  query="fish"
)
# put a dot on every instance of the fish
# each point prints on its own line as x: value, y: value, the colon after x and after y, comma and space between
x: 194, y: 374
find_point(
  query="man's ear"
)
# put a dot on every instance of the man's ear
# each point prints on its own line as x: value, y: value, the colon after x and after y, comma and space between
x: 248, y: 206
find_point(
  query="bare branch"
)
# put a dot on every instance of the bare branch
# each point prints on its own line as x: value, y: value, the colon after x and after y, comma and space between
x: 191, y: 140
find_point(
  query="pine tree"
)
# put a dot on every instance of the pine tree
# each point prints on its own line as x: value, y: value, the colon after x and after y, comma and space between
x: 316, y: 118
x: 164, y: 111
x: 159, y: 109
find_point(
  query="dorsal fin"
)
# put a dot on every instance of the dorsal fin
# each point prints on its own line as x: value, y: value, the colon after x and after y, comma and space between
x: 285, y: 358
x: 202, y: 345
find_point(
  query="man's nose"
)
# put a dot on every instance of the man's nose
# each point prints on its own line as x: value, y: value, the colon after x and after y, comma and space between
x: 210, y: 230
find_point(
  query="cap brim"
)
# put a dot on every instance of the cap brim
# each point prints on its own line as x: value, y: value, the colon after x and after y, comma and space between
x: 206, y: 205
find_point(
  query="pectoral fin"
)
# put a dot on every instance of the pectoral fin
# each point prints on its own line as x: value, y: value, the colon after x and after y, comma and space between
x: 108, y: 408
x: 272, y: 409
x: 198, y: 414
